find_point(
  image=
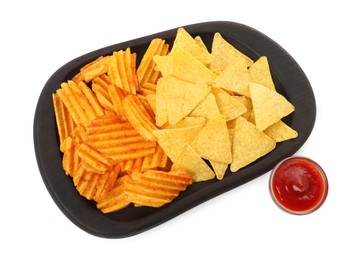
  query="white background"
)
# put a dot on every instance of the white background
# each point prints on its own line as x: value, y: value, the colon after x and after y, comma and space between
x: 37, y: 37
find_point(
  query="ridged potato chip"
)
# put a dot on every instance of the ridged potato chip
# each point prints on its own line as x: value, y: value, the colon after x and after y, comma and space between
x: 155, y: 188
x: 116, y: 199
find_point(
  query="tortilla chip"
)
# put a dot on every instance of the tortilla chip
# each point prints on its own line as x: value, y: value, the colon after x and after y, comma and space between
x: 260, y: 73
x: 219, y: 169
x: 185, y: 41
x: 189, y: 160
x: 280, y: 132
x: 173, y: 140
x: 247, y: 102
x: 207, y: 108
x: 164, y: 64
x: 235, y: 77
x: 161, y: 105
x: 224, y: 53
x: 187, y: 68
x: 268, y: 105
x: 186, y: 122
x: 180, y: 97
x: 228, y: 105
x: 249, y: 144
x: 151, y: 99
x: 201, y: 44
x: 212, y: 142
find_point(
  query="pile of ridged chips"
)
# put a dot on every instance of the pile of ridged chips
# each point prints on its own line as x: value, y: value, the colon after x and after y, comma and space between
x: 142, y: 134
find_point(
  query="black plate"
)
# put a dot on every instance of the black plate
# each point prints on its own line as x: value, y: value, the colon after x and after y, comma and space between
x: 290, y: 81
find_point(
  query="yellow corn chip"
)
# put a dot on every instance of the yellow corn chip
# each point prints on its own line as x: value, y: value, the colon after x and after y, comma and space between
x: 185, y: 41
x: 207, y: 108
x: 224, y: 53
x: 219, y: 169
x: 182, y: 65
x: 249, y: 144
x: 212, y: 142
x: 260, y: 73
x: 190, y: 161
x: 280, y: 132
x: 186, y: 122
x: 181, y: 97
x: 173, y: 140
x: 268, y: 105
x: 228, y: 105
x: 235, y: 77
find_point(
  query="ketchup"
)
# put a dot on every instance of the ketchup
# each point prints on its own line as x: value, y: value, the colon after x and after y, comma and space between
x: 298, y: 185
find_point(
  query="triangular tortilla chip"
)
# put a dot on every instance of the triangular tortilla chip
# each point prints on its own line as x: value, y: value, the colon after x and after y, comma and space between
x: 268, y: 105
x: 219, y: 169
x: 182, y: 65
x: 247, y: 102
x: 189, y: 160
x: 212, y: 142
x: 201, y: 44
x: 249, y: 144
x: 173, y: 140
x: 185, y: 41
x: 161, y: 105
x: 207, y: 108
x: 181, y: 97
x: 164, y: 64
x: 280, y: 132
x: 224, y: 53
x: 186, y: 122
x: 260, y: 73
x: 235, y: 77
x: 228, y: 105
x: 151, y: 99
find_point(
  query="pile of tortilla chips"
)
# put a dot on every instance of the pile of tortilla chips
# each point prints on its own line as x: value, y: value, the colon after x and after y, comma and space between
x: 142, y: 134
x: 219, y: 106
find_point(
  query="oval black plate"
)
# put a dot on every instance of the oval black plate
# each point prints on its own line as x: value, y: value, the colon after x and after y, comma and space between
x: 290, y: 81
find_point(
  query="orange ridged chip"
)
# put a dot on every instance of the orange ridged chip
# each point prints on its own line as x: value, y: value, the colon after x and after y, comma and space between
x: 70, y: 160
x: 148, y: 89
x: 116, y: 199
x: 79, y: 101
x: 121, y: 71
x: 99, y: 163
x: 132, y: 165
x: 92, y: 70
x: 140, y: 119
x: 100, y: 88
x: 146, y: 70
x: 115, y: 138
x: 94, y: 185
x: 155, y: 188
x: 65, y: 123
x: 153, y: 161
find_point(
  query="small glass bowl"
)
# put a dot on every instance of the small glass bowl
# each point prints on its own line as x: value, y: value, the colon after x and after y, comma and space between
x: 296, y: 171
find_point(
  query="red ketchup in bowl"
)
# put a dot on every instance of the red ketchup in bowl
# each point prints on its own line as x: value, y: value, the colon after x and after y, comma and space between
x: 298, y: 185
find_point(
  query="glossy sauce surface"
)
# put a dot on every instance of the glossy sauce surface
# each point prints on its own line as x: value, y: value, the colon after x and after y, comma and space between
x: 299, y: 185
